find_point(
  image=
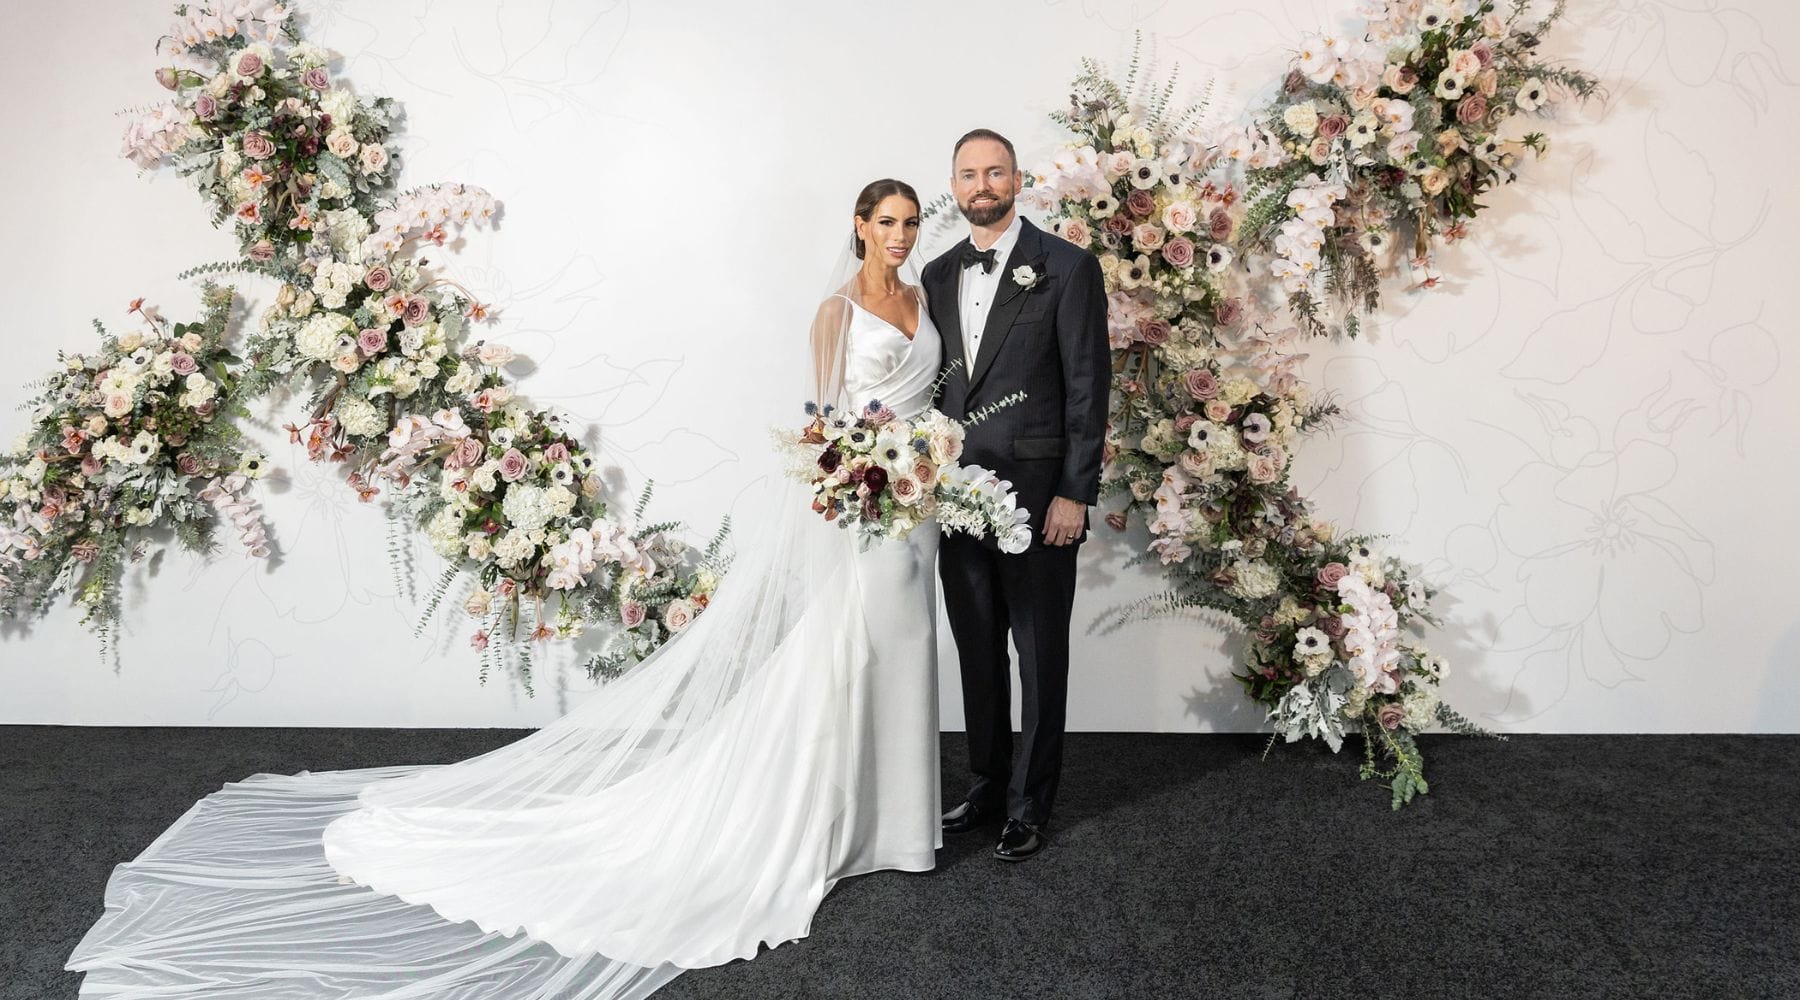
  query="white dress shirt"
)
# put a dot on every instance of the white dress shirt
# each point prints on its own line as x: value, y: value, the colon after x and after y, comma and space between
x: 978, y: 291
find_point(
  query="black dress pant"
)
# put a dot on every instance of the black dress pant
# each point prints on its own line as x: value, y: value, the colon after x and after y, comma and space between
x: 986, y: 594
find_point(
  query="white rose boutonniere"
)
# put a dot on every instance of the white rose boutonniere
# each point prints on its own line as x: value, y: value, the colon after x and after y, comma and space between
x: 1025, y: 277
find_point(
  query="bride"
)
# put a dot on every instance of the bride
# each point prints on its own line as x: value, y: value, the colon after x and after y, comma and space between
x: 694, y: 810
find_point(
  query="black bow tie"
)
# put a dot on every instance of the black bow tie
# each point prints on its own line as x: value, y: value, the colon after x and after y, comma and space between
x: 971, y: 257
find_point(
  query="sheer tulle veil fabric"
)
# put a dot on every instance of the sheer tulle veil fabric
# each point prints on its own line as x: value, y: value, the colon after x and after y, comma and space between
x: 681, y: 816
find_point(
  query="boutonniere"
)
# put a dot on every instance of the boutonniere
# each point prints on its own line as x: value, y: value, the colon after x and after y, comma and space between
x: 1027, y: 277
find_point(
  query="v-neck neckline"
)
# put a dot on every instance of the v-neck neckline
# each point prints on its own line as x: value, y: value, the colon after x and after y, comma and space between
x: 909, y: 338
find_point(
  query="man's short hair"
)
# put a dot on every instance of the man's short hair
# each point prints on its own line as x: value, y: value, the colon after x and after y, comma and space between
x: 985, y: 133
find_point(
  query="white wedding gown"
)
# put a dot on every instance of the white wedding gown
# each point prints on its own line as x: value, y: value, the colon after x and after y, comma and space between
x: 682, y: 816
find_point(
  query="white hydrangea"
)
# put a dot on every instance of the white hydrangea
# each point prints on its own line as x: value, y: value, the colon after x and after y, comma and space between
x: 1255, y: 579
x: 318, y: 337
x: 527, y: 508
x: 514, y: 548
x: 359, y: 417
x: 1237, y: 391
x: 1421, y: 709
x: 560, y: 499
x: 339, y: 103
x: 444, y: 531
x: 334, y: 281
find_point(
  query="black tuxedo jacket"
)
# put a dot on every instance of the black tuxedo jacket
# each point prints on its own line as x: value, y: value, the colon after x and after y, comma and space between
x: 1048, y: 341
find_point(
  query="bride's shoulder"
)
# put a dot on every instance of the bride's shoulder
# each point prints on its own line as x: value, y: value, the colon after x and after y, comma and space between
x: 833, y: 308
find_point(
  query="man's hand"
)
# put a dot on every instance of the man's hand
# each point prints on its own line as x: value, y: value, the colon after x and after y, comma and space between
x: 1063, y: 521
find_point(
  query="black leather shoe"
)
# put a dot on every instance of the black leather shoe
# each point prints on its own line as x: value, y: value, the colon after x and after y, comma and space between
x: 1018, y: 840
x: 968, y: 816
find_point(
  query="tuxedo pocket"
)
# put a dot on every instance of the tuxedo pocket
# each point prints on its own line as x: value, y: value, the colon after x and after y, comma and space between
x: 1025, y: 449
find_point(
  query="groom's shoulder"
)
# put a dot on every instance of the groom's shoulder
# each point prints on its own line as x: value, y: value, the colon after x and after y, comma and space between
x: 1066, y: 258
x: 937, y: 263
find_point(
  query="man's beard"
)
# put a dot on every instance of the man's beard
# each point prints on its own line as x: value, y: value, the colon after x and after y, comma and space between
x: 986, y: 215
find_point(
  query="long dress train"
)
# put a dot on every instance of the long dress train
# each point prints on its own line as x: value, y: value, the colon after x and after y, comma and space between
x: 688, y: 813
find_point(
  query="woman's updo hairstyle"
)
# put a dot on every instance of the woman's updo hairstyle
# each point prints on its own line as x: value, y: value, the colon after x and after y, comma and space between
x: 872, y: 196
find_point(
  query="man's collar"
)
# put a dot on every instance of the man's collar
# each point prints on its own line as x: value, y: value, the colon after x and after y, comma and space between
x: 1007, y: 238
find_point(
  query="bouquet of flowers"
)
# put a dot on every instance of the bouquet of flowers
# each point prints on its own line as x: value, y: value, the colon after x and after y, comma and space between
x: 123, y: 441
x: 881, y: 476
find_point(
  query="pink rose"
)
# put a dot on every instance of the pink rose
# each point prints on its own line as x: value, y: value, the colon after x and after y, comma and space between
x: 379, y: 278
x: 1333, y: 626
x: 372, y: 341
x: 316, y: 78
x: 1179, y: 252
x: 1484, y: 52
x: 1202, y: 384
x: 1118, y: 225
x: 1186, y: 421
x: 1330, y: 573
x: 1147, y: 237
x: 1263, y: 469
x: 1180, y: 217
x: 557, y: 452
x: 418, y: 310
x: 1227, y: 311
x: 90, y: 466
x: 1076, y: 232
x: 1154, y: 332
x: 468, y: 452
x: 1219, y: 225
x: 678, y: 615
x: 257, y: 146
x: 182, y: 363
x: 1140, y: 203
x: 262, y: 251
x: 906, y: 489
x: 248, y: 64
x: 513, y: 465
x: 632, y: 613
x: 1471, y: 109
x: 205, y: 107
x: 1333, y: 126
x: 1391, y: 715
x: 1217, y: 410
x: 188, y: 464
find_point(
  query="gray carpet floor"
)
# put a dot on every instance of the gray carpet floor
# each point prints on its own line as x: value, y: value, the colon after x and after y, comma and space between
x: 1180, y: 866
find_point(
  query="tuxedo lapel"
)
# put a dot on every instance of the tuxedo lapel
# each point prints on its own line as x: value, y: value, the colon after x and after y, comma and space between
x: 1008, y: 302
x: 947, y: 289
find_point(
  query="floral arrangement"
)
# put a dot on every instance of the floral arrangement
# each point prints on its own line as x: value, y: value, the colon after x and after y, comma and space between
x: 360, y: 326
x: 881, y: 476
x: 1220, y: 252
x: 129, y: 440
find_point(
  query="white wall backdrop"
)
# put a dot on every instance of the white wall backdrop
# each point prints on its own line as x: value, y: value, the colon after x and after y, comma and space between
x: 1587, y: 437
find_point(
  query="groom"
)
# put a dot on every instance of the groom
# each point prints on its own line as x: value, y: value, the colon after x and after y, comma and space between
x: 1020, y: 311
